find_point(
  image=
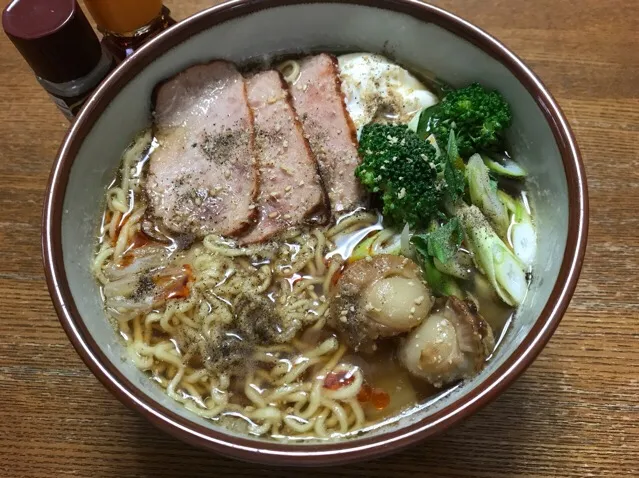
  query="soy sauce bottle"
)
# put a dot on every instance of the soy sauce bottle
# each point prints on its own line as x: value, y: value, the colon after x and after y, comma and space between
x: 60, y: 46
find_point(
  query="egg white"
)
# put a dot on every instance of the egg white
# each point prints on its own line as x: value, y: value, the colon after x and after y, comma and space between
x: 377, y: 90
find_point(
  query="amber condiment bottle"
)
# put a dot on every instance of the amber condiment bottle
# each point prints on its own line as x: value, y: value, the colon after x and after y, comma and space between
x: 58, y: 42
x: 127, y: 24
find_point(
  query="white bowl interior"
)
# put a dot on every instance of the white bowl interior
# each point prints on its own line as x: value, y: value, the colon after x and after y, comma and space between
x: 314, y: 27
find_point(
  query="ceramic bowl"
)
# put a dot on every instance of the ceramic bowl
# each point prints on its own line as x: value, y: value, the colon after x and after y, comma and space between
x: 416, y: 35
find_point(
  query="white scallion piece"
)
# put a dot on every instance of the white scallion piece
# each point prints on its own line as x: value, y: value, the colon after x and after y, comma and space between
x: 505, y: 167
x: 493, y: 257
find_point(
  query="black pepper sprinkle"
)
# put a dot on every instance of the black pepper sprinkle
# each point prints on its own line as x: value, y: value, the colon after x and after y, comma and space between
x: 220, y: 147
x: 144, y: 288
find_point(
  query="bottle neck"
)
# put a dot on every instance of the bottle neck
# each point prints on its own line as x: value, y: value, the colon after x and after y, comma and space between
x: 123, y: 45
x: 157, y: 24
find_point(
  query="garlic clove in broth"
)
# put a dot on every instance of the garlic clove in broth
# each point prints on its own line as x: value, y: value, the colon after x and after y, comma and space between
x: 380, y: 296
x: 397, y: 302
x: 450, y: 345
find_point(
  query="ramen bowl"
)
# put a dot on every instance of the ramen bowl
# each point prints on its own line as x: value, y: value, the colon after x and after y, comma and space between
x: 422, y: 37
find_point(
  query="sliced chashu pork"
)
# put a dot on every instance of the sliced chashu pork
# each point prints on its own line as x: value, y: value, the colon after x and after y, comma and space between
x: 203, y: 176
x: 290, y: 187
x: 319, y: 102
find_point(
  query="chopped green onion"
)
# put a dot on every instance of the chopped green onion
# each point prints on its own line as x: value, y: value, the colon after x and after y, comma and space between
x: 506, y: 167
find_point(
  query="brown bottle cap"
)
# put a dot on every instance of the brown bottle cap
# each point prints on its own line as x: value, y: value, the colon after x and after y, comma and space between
x: 54, y: 37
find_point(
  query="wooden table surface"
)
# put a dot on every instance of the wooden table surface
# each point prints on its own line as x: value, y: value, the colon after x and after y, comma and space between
x: 574, y: 413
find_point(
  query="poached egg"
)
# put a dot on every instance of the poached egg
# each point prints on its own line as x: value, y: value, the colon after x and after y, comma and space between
x: 377, y: 90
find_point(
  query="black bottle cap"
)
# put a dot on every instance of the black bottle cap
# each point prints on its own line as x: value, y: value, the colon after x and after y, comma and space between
x: 54, y: 37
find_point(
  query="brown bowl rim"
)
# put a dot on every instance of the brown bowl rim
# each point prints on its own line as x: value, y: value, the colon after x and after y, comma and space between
x: 345, y: 451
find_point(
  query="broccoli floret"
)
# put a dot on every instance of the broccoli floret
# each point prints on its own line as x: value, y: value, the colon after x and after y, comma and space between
x: 478, y: 116
x: 405, y: 170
